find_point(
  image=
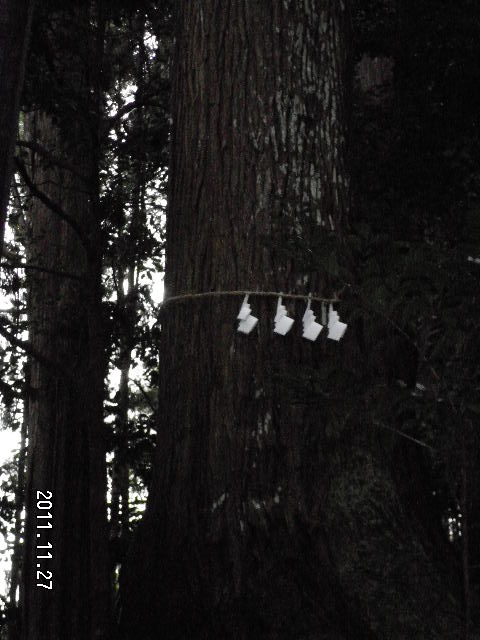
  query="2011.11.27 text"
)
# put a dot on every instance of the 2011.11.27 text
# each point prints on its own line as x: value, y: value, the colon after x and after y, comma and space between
x: 44, y: 547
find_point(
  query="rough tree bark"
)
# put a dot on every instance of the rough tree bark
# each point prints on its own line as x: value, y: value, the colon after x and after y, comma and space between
x: 15, y: 20
x: 242, y: 536
x: 66, y: 440
x: 66, y: 452
x: 235, y: 510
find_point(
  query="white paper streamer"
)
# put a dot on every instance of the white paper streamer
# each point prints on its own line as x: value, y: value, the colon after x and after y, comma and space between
x: 311, y: 329
x: 247, y: 321
x: 283, y: 323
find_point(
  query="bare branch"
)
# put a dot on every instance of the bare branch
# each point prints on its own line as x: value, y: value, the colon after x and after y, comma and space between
x: 13, y: 311
x: 30, y: 350
x: 146, y: 396
x: 48, y: 155
x: 53, y: 206
x: 123, y: 111
x: 34, y: 267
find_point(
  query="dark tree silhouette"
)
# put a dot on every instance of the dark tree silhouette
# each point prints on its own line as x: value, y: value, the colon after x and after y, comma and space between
x: 15, y: 21
x: 233, y: 543
x: 66, y: 434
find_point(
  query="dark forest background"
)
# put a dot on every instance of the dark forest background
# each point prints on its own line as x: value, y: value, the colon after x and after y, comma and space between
x: 398, y: 398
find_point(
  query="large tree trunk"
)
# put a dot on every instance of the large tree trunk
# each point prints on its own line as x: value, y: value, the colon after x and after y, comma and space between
x: 258, y: 154
x: 249, y: 530
x: 66, y: 451
x: 66, y: 440
x: 15, y: 20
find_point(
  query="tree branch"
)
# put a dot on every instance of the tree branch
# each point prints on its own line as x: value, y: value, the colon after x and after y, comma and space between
x: 130, y: 106
x: 34, y: 267
x: 53, y: 206
x: 146, y: 396
x: 30, y: 350
x: 41, y: 150
x: 13, y: 311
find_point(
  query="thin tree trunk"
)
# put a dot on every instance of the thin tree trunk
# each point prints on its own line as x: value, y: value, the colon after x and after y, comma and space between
x: 119, y: 518
x: 127, y: 302
x: 13, y: 627
x: 465, y: 509
x: 15, y: 22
